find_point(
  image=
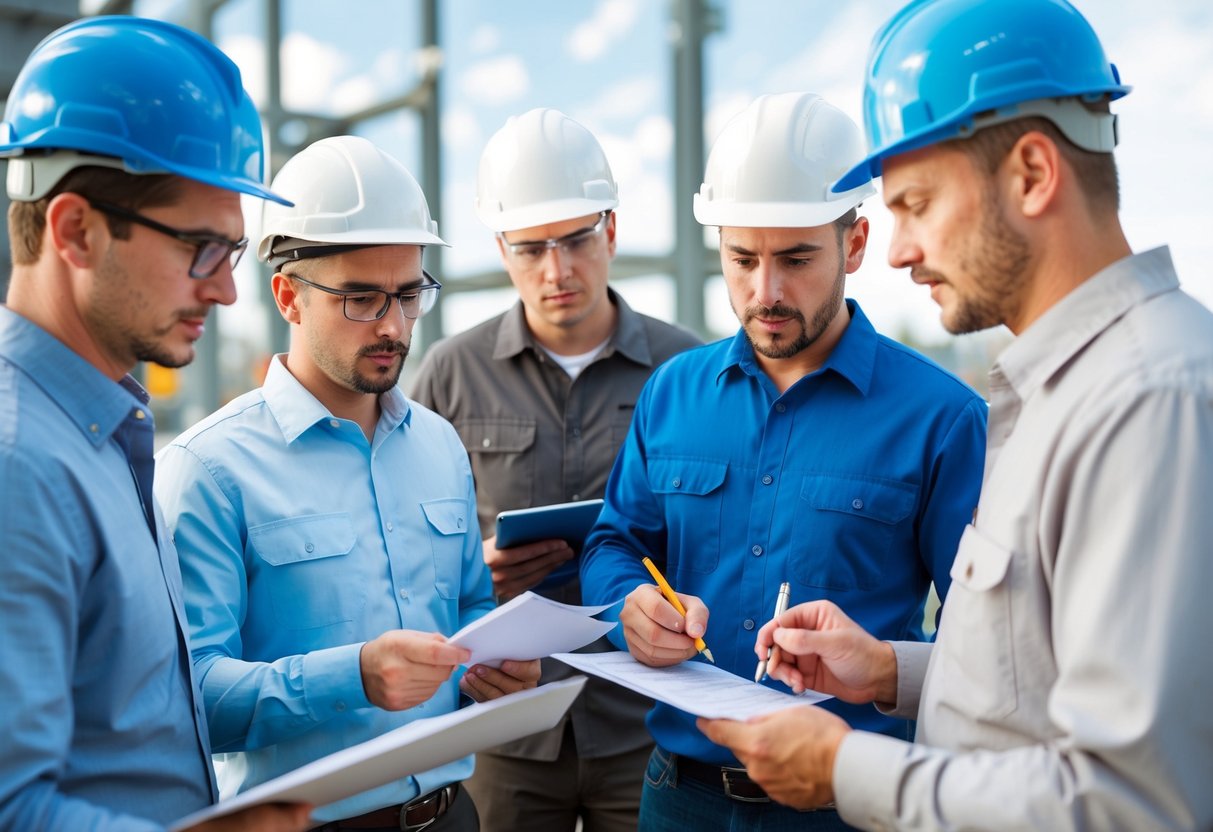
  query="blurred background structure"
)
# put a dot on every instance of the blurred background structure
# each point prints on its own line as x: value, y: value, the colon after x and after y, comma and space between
x: 430, y: 81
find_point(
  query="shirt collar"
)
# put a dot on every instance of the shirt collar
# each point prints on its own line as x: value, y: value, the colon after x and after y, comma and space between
x: 87, y: 397
x: 296, y: 410
x: 1054, y: 338
x: 853, y: 357
x: 629, y: 338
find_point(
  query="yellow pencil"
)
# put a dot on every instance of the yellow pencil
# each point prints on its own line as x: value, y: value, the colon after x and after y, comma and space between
x: 668, y: 592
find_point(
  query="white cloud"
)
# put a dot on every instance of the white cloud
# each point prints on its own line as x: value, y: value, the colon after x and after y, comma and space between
x: 496, y: 81
x: 354, y: 94
x: 249, y: 54
x: 627, y: 99
x: 612, y: 19
x: 461, y: 129
x: 484, y: 39
x: 310, y: 69
x: 654, y: 137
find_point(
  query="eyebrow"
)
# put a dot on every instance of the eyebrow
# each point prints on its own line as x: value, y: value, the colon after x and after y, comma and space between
x: 799, y: 248
x: 364, y: 286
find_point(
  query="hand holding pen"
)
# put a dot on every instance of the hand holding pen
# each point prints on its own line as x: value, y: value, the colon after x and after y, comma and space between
x: 781, y: 606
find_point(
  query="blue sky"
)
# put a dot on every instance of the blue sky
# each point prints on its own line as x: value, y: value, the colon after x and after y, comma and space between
x: 605, y: 62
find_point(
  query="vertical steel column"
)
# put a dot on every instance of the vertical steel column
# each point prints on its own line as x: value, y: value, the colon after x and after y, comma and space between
x: 689, y: 27
x: 431, y: 172
x: 277, y: 330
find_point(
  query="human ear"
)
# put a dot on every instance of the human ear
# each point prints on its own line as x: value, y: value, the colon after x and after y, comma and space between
x: 286, y: 296
x: 1034, y: 171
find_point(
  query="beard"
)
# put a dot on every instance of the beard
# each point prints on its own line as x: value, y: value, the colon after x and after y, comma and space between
x: 386, y: 377
x: 779, y: 345
x: 996, y: 258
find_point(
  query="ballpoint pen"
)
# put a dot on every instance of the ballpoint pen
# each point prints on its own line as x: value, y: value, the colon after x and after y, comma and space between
x: 781, y: 606
x: 668, y: 592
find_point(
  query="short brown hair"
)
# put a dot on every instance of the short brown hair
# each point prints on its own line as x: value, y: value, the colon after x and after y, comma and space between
x: 1095, y: 172
x: 27, y: 220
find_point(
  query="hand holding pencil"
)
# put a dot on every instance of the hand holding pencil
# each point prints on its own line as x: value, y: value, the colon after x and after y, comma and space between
x: 662, y: 628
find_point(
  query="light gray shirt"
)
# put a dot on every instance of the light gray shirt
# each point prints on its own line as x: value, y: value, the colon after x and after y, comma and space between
x: 1067, y: 687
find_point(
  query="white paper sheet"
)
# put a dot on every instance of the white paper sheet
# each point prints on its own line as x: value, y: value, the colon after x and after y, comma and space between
x: 530, y: 626
x: 694, y: 686
x: 418, y: 746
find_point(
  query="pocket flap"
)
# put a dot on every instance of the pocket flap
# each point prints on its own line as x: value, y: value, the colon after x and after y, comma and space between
x: 980, y: 564
x: 496, y: 436
x: 303, y: 538
x: 680, y: 475
x: 885, y: 501
x: 447, y: 516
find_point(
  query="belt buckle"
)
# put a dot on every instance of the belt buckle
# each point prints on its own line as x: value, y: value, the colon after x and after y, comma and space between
x: 726, y: 777
x: 443, y: 797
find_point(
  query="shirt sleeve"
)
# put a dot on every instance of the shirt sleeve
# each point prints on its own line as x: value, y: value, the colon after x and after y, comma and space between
x: 1130, y: 743
x: 39, y: 581
x: 630, y: 527
x: 248, y: 704
x: 953, y: 490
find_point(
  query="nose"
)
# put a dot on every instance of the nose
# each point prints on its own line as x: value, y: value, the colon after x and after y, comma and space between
x: 903, y: 250
x: 767, y: 283
x: 219, y: 288
x: 394, y: 322
x: 557, y: 264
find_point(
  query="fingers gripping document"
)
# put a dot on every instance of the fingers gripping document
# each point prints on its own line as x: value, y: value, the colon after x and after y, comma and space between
x: 695, y: 687
x: 530, y: 627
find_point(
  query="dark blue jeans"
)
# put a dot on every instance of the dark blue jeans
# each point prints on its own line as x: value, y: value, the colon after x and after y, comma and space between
x: 671, y: 804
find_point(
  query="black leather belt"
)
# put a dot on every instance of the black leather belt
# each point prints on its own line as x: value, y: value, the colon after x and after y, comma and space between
x: 408, y: 817
x: 733, y: 781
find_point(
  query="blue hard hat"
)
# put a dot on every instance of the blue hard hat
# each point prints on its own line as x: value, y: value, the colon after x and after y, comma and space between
x: 155, y: 96
x: 939, y: 64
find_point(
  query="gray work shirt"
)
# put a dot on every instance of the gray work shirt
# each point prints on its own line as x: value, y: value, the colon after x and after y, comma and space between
x: 1066, y: 689
x: 535, y: 437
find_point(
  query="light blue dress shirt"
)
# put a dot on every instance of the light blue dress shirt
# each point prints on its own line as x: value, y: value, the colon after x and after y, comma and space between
x: 300, y: 541
x: 854, y: 486
x: 101, y: 728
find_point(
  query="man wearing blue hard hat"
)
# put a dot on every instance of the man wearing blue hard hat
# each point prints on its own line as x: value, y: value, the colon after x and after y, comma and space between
x: 1065, y: 688
x: 129, y: 144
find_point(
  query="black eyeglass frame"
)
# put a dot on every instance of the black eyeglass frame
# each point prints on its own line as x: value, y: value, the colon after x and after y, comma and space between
x: 232, y: 250
x: 422, y: 292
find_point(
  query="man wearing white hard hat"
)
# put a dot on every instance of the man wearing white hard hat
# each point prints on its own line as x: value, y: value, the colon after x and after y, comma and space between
x: 806, y: 449
x: 320, y: 514
x: 1067, y: 688
x: 542, y: 397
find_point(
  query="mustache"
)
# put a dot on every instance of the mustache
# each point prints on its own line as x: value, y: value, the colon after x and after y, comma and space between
x: 921, y: 274
x: 779, y: 310
x: 386, y: 347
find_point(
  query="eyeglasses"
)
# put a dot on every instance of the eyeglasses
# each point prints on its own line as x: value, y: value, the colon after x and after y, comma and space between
x: 530, y: 254
x: 212, y: 249
x: 372, y: 304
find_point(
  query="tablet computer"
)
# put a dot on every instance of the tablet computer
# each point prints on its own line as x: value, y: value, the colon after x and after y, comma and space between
x: 563, y: 521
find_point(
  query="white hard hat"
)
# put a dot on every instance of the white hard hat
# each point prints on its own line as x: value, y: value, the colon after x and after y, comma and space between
x: 347, y: 192
x: 774, y: 163
x: 542, y: 167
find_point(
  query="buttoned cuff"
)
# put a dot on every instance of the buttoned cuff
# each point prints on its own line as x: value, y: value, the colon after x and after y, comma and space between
x: 332, y: 681
x: 912, y: 659
x: 867, y: 770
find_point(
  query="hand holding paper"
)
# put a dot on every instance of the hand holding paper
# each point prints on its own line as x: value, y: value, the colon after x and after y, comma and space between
x: 529, y: 627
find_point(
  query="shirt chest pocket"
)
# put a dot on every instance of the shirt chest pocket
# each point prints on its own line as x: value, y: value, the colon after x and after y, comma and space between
x: 692, y: 491
x: 303, y: 565
x: 448, y: 522
x: 503, y: 457
x: 847, y: 527
x: 977, y: 653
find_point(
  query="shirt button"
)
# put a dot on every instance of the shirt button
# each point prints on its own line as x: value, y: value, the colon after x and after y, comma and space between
x: 404, y: 594
x: 309, y: 547
x: 757, y: 550
x: 139, y: 414
x: 781, y: 407
x: 339, y: 706
x: 857, y: 504
x: 677, y: 483
x: 94, y: 428
x: 486, y: 442
x: 767, y: 479
x: 459, y: 523
x: 748, y: 623
x: 969, y: 570
x: 576, y: 497
x: 389, y: 527
x: 335, y: 423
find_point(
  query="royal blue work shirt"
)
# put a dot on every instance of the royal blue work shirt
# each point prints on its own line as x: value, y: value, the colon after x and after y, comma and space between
x: 101, y: 726
x: 854, y: 486
x: 299, y: 542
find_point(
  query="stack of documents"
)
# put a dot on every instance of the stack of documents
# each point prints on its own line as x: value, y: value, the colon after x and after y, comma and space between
x: 530, y: 627
x: 695, y: 687
x: 416, y: 747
